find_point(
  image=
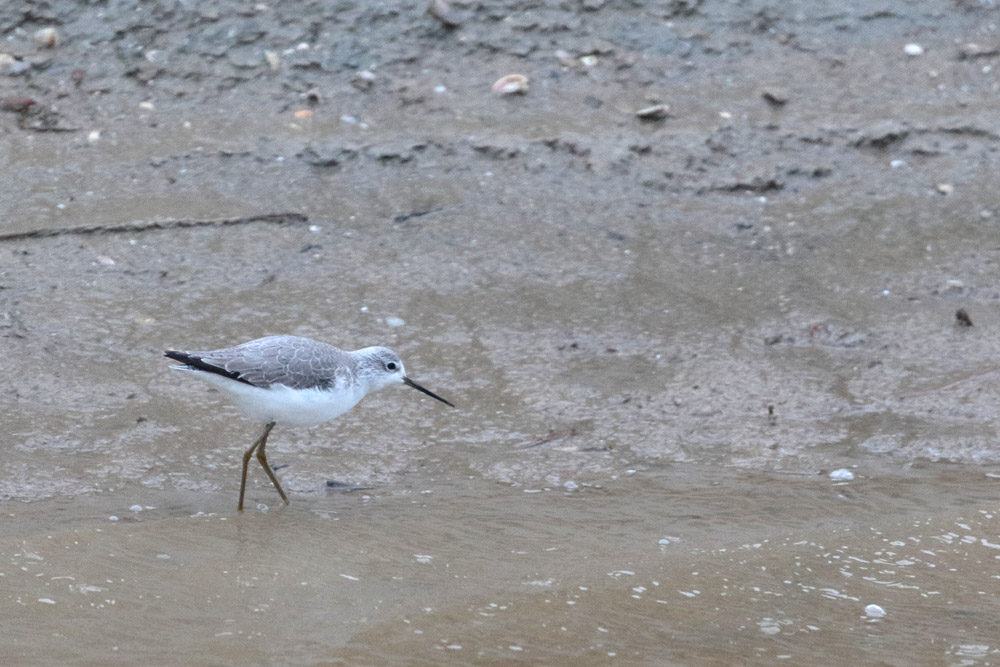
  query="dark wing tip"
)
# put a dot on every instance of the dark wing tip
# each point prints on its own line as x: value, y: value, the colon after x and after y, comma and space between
x: 202, y: 365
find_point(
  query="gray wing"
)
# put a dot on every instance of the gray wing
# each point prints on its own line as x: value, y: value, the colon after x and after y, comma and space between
x: 299, y: 363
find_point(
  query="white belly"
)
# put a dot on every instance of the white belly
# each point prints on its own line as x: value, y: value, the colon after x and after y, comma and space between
x: 278, y: 403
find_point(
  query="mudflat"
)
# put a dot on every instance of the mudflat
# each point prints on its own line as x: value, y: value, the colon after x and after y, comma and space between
x: 715, y: 291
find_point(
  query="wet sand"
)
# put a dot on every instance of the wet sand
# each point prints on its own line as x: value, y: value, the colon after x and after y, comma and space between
x: 662, y: 336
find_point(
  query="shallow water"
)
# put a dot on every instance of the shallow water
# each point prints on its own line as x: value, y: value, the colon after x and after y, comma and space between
x: 661, y: 338
x: 680, y: 564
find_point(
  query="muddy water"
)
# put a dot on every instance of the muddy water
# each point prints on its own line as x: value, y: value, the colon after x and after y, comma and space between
x: 688, y: 565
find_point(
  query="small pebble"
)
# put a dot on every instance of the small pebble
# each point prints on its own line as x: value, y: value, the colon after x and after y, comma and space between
x: 136, y: 508
x: 444, y: 13
x: 16, y: 103
x: 46, y: 38
x: 913, y: 49
x: 945, y: 188
x: 393, y: 321
x: 874, y: 611
x: 112, y: 518
x: 564, y: 58
x: 363, y: 80
x: 842, y: 475
x: 775, y: 97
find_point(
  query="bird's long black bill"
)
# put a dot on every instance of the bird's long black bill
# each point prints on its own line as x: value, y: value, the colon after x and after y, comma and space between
x: 430, y: 393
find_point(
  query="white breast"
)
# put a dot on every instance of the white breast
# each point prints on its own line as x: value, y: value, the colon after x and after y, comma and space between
x: 301, y: 407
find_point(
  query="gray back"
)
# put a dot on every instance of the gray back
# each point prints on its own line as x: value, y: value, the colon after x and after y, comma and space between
x: 299, y: 363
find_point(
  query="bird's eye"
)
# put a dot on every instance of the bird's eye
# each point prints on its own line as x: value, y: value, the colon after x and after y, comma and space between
x: 391, y: 366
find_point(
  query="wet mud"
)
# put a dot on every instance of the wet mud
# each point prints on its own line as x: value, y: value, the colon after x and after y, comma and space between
x: 717, y: 402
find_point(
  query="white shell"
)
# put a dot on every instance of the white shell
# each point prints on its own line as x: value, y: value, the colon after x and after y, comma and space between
x: 655, y: 112
x: 511, y: 84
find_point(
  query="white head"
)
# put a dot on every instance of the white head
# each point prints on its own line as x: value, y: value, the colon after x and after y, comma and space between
x: 380, y: 367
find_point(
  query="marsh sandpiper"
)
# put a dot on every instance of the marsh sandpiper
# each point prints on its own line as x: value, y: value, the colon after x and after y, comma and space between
x: 294, y: 380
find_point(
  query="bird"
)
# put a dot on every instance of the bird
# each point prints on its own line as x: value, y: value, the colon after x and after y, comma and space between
x: 293, y: 380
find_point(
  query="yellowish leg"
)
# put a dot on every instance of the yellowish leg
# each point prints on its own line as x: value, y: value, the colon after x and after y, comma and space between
x: 262, y: 457
x: 246, y: 461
